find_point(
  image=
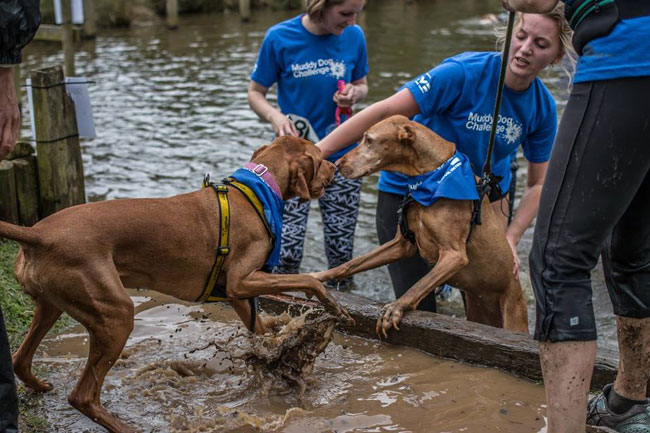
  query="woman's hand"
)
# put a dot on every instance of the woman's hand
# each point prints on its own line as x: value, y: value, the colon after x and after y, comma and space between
x: 282, y: 125
x: 348, y: 97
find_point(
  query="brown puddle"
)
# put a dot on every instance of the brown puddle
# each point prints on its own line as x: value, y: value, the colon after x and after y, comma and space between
x: 183, y: 372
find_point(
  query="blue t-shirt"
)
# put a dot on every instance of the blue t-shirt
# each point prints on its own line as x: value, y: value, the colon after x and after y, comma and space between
x: 622, y: 53
x: 307, y: 67
x: 456, y: 101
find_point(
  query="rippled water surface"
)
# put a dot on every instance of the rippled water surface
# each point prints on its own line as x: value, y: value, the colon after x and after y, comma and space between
x: 171, y: 105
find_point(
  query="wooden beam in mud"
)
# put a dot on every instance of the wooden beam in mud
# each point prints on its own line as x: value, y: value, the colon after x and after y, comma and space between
x: 449, y: 337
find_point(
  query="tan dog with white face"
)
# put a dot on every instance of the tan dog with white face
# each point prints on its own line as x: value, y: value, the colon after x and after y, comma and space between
x: 481, y: 267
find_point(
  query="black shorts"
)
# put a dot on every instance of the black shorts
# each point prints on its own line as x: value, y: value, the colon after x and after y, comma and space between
x: 596, y: 198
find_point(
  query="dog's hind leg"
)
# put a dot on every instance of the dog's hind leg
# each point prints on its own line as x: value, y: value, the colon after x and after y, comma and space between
x: 106, y: 311
x: 484, y: 309
x: 45, y: 315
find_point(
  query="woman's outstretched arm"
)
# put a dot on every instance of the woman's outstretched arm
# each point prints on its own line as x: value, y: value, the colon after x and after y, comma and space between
x: 350, y: 131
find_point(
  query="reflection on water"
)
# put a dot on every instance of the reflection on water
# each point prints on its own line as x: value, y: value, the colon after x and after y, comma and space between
x: 170, y: 379
x: 171, y: 105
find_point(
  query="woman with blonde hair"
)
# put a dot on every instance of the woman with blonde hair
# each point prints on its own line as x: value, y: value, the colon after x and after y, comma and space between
x: 456, y: 100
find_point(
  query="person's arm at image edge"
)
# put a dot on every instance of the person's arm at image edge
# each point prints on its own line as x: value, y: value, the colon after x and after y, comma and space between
x: 263, y: 108
x: 350, y: 131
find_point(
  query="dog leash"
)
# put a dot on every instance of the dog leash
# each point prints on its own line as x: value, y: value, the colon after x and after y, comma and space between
x: 488, y: 180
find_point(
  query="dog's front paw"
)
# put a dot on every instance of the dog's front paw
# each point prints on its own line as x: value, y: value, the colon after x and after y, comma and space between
x: 389, y: 317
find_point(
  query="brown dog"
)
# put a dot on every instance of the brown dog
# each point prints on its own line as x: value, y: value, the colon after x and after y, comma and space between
x: 80, y: 260
x: 482, y: 267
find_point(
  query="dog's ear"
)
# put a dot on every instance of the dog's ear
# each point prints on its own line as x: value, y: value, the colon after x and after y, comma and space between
x: 299, y: 173
x: 406, y: 134
x: 258, y: 151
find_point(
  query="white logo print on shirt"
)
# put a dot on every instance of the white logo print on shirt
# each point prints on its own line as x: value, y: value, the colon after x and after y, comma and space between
x: 507, y: 128
x: 329, y: 67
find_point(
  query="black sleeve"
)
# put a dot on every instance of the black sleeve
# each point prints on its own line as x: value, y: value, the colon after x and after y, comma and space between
x: 19, y: 20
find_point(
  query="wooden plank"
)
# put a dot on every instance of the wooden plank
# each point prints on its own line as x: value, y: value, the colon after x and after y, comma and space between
x: 449, y: 337
x: 60, y: 168
x: 8, y: 202
x: 54, y: 33
x: 26, y: 175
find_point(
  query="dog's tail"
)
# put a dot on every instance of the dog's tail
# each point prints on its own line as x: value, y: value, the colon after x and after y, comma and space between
x: 23, y: 235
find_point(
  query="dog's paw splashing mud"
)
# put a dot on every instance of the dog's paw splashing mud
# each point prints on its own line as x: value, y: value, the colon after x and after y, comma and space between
x: 290, y: 353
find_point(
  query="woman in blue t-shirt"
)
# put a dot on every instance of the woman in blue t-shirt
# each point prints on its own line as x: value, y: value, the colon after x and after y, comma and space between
x: 307, y: 56
x: 596, y: 199
x: 456, y: 100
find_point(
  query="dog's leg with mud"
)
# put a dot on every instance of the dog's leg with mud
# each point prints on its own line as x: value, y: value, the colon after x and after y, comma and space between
x: 398, y: 248
x: 258, y: 283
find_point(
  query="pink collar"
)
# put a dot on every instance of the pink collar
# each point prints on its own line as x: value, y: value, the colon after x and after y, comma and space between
x: 262, y: 171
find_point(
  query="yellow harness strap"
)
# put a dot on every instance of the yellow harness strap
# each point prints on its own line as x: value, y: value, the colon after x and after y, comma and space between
x: 223, y: 249
x: 211, y: 292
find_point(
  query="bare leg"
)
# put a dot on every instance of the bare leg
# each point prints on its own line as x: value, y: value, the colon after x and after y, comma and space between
x: 634, y: 363
x: 567, y: 367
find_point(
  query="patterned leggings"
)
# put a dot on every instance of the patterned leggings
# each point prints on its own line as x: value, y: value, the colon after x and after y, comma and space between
x: 339, y: 209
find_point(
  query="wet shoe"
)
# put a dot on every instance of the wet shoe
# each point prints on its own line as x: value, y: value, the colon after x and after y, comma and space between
x: 635, y: 420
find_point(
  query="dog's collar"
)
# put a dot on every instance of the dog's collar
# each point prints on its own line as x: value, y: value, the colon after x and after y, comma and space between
x: 262, y: 172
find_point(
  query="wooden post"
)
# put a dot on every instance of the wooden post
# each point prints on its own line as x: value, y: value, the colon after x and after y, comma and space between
x: 26, y: 175
x: 68, y: 42
x: 172, y: 14
x: 90, y: 19
x: 60, y: 168
x: 8, y: 202
x: 245, y: 10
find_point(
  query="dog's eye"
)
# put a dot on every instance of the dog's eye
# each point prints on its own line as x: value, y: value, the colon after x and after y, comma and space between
x: 367, y: 138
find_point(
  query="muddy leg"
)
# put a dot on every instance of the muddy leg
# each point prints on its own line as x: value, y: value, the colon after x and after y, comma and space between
x: 45, y: 315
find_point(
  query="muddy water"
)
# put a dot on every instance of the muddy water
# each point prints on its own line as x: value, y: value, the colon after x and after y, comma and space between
x: 181, y: 373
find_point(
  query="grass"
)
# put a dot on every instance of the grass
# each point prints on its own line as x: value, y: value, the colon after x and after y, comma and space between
x: 18, y: 310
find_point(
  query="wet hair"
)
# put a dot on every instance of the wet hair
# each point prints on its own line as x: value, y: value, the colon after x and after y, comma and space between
x: 316, y: 8
x: 565, y: 33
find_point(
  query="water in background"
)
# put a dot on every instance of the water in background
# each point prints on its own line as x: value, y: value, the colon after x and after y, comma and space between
x: 171, y: 105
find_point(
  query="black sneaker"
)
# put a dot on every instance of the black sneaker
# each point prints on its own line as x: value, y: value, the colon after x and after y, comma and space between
x: 635, y: 420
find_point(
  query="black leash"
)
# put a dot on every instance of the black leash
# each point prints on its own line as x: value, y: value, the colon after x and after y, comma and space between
x: 489, y: 181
